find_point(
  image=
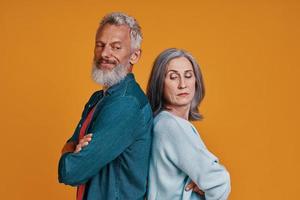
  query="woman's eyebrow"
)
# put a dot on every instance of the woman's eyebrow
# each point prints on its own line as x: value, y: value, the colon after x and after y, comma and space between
x: 172, y: 70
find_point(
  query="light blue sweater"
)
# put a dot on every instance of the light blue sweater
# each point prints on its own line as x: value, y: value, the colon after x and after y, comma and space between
x: 179, y: 156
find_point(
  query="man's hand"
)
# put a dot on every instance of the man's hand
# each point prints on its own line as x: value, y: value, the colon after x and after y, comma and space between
x: 194, y: 187
x: 68, y: 147
x: 83, y: 142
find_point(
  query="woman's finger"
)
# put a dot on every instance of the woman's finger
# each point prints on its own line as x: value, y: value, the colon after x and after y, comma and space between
x: 190, y: 186
x: 197, y: 190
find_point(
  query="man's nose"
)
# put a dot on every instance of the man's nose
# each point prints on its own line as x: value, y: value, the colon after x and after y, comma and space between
x: 106, y: 52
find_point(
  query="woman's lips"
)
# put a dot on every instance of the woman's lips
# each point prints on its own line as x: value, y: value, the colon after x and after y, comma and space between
x: 183, y: 94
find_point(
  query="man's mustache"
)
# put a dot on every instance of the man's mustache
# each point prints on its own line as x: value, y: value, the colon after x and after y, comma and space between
x: 106, y: 61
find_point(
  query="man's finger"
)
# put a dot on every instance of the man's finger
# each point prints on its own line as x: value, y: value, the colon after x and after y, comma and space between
x: 78, y: 148
x: 83, y: 140
x: 89, y: 135
x: 84, y: 144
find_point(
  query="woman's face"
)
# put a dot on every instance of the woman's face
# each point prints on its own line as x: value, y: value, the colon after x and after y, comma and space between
x: 179, y: 85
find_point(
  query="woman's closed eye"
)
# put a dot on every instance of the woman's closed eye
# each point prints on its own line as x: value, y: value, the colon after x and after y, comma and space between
x: 188, y: 75
x: 173, y: 76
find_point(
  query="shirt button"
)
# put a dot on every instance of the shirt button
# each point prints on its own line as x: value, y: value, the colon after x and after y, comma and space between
x: 89, y: 105
x: 79, y: 125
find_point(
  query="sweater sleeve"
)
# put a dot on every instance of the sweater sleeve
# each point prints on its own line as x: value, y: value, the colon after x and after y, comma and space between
x: 185, y: 149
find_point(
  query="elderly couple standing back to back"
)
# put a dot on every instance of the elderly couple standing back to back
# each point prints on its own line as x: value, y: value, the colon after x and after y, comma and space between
x: 118, y: 151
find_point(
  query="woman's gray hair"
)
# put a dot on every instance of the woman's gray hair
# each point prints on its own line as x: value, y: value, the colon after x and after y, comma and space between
x: 119, y: 18
x: 155, y: 88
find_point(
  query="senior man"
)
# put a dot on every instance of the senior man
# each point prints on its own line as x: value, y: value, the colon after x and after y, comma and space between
x: 108, y: 155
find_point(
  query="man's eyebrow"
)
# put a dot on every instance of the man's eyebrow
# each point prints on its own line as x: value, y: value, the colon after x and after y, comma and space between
x: 115, y: 42
x: 99, y: 41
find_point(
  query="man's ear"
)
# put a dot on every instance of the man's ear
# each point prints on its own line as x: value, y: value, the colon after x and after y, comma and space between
x: 135, y: 56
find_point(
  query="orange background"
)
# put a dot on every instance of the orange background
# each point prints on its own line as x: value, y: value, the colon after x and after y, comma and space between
x: 249, y: 53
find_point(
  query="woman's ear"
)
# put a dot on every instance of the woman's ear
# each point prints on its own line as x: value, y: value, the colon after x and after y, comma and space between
x: 135, y: 56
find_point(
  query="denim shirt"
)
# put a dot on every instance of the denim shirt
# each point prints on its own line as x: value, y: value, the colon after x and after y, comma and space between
x: 115, y: 163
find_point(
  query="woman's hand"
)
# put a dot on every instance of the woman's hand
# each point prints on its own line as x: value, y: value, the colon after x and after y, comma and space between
x: 194, y: 187
x: 83, y: 142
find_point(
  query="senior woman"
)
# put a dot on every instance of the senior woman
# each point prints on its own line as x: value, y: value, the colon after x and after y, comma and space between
x: 179, y: 156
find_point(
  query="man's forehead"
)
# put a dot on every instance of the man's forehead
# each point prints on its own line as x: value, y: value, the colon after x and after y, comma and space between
x: 113, y: 31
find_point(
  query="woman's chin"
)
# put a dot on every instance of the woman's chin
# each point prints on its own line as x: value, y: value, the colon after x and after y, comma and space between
x: 182, y: 104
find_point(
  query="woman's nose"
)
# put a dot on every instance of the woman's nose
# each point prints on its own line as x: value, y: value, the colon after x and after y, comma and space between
x: 181, y: 84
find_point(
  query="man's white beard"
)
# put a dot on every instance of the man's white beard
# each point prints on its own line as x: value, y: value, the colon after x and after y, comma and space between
x: 109, y: 77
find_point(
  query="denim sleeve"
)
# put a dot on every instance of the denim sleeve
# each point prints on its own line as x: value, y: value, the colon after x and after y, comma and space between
x: 113, y: 132
x: 187, y: 151
x: 74, y: 137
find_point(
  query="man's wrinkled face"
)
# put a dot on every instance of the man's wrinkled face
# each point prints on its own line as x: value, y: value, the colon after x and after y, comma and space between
x: 112, y: 54
x: 112, y: 47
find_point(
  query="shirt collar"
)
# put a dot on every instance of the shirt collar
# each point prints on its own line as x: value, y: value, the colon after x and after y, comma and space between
x: 121, y: 84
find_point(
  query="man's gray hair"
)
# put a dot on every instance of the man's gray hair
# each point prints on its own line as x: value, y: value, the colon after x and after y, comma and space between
x: 119, y: 18
x: 155, y: 88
